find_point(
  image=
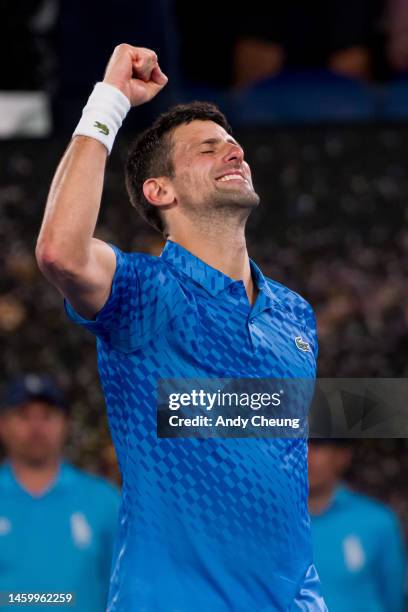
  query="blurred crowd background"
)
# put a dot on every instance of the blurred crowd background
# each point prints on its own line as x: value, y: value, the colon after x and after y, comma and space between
x: 326, y: 60
x: 317, y: 94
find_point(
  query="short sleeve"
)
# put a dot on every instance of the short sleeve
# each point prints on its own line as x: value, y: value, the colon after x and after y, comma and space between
x: 118, y: 317
x: 144, y: 297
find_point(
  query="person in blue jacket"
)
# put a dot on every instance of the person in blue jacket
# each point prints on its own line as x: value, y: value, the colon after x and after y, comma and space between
x: 359, y: 550
x: 57, y: 523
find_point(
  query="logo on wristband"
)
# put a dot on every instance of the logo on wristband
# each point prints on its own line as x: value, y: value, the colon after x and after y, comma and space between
x: 103, y: 129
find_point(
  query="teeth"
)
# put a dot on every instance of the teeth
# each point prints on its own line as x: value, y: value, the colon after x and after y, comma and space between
x: 229, y: 177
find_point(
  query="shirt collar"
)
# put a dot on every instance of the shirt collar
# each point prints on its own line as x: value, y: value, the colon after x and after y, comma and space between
x: 211, y: 279
x: 62, y: 477
x: 339, y: 498
x: 266, y: 298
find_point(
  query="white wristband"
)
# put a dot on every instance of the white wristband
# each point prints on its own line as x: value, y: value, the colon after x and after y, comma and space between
x: 103, y: 114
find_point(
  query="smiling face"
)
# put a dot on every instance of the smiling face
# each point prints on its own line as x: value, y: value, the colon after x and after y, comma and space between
x: 210, y: 173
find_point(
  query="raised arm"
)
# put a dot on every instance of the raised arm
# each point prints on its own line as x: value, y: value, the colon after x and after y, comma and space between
x: 79, y: 265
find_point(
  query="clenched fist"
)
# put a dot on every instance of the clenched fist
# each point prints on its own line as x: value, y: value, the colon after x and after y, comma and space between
x: 136, y: 72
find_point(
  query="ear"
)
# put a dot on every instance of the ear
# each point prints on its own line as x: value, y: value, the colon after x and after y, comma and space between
x: 159, y: 191
x: 67, y: 426
x: 3, y: 427
x: 344, y: 457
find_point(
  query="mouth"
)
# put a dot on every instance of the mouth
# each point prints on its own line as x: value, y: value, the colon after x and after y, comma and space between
x: 231, y: 177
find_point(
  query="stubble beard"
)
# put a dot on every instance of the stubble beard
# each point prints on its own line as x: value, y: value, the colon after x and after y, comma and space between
x: 219, y: 207
x: 235, y: 201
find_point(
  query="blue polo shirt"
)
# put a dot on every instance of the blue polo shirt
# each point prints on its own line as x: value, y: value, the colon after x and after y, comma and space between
x: 206, y: 524
x: 360, y: 554
x: 59, y: 541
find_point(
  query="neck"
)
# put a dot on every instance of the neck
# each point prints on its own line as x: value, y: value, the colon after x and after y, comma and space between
x: 33, y: 477
x: 319, y: 501
x: 226, y: 251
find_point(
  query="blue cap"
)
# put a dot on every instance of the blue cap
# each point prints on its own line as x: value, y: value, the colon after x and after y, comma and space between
x: 30, y: 387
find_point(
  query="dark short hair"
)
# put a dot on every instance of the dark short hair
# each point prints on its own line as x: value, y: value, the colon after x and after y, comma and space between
x: 150, y: 154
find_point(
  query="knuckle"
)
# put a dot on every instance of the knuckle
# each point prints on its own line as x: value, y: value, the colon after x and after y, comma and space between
x: 148, y: 53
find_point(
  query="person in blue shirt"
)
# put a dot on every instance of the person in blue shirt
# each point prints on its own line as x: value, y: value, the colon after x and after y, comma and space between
x: 358, y: 546
x: 57, y: 523
x: 205, y: 524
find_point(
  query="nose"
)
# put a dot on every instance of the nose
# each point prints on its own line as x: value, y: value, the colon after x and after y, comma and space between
x: 233, y: 152
x: 37, y: 424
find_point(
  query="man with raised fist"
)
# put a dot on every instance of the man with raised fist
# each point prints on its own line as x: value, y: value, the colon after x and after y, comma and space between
x: 205, y: 524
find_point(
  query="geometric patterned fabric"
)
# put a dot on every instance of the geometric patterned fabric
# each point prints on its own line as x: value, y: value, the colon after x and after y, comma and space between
x: 205, y: 524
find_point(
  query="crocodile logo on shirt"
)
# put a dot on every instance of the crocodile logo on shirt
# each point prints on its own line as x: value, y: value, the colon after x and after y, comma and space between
x: 102, y: 128
x: 302, y: 345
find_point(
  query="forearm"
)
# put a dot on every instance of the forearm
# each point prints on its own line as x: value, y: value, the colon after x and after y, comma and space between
x: 67, y: 253
x: 73, y: 204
